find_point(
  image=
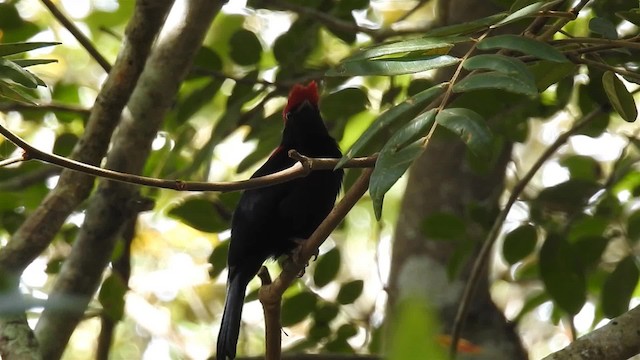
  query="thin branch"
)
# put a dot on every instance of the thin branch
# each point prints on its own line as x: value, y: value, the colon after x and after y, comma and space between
x: 300, y: 169
x: 56, y: 107
x: 334, y: 23
x: 606, y: 67
x: 632, y: 43
x: 322, y: 17
x: 548, y: 34
x: 483, y: 256
x: 13, y: 160
x: 82, y: 39
x: 23, y: 181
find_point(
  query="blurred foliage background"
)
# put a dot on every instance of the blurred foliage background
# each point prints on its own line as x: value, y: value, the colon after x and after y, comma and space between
x: 566, y: 260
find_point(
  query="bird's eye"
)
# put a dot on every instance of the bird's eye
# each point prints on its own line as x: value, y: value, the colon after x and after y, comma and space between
x: 287, y: 116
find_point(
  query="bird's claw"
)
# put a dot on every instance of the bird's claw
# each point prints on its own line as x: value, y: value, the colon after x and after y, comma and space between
x: 296, y: 255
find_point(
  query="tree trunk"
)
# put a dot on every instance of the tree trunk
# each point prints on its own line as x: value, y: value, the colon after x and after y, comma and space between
x: 441, y: 181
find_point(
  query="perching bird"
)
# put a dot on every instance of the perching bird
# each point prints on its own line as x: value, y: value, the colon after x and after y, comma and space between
x: 270, y: 221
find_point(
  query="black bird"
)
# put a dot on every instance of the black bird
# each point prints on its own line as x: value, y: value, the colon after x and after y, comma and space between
x: 268, y: 222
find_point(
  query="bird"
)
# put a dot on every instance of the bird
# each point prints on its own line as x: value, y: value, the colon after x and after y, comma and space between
x: 269, y: 222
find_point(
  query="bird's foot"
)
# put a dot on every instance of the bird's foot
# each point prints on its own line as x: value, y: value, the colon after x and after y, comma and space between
x: 296, y: 255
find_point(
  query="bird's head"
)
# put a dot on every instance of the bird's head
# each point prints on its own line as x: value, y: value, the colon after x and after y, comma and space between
x: 301, y: 96
x: 302, y: 119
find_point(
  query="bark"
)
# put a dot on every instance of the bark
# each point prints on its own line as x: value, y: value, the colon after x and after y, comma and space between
x: 442, y: 181
x: 111, y: 205
x: 39, y: 229
x: 618, y: 340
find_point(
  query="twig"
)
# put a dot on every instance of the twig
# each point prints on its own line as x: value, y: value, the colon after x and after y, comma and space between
x: 14, y: 106
x: 12, y: 160
x: 606, y: 67
x: 624, y: 43
x: 22, y: 181
x: 324, y: 18
x: 547, y: 34
x: 272, y: 294
x: 300, y: 169
x: 82, y: 39
x: 483, y: 255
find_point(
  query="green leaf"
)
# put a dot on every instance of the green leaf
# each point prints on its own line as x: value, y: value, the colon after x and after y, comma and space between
x: 519, y: 243
x: 618, y: 288
x: 390, y: 166
x: 471, y: 128
x: 15, y: 48
x: 412, y: 105
x: 569, y: 195
x: 426, y: 46
x: 562, y: 278
x: 325, y: 313
x: 604, y: 27
x: 346, y: 331
x: 620, y: 98
x: 350, y: 291
x: 591, y: 249
x: 548, y: 73
x: 32, y: 62
x: 495, y: 80
x: 582, y: 167
x: 318, y: 332
x: 522, y: 44
x: 15, y: 93
x: 12, y: 71
x: 218, y: 259
x: 466, y: 27
x: 298, y: 307
x: 111, y: 296
x: 500, y: 63
x: 520, y: 14
x: 339, y: 106
x: 587, y: 226
x: 245, y: 48
x: 444, y: 226
x: 397, y: 66
x: 327, y: 267
x: 396, y: 157
x: 200, y: 214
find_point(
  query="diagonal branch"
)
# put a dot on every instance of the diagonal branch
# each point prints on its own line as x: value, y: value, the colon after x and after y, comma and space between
x: 82, y: 39
x: 270, y: 294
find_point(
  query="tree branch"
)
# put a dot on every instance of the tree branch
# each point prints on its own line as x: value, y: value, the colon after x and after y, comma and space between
x: 56, y: 107
x: 82, y: 39
x: 618, y: 340
x: 300, y: 169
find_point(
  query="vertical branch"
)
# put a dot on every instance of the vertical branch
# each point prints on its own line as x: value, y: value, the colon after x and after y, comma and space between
x: 82, y: 39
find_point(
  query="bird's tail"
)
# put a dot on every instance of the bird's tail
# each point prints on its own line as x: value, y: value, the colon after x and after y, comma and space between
x: 230, y: 326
